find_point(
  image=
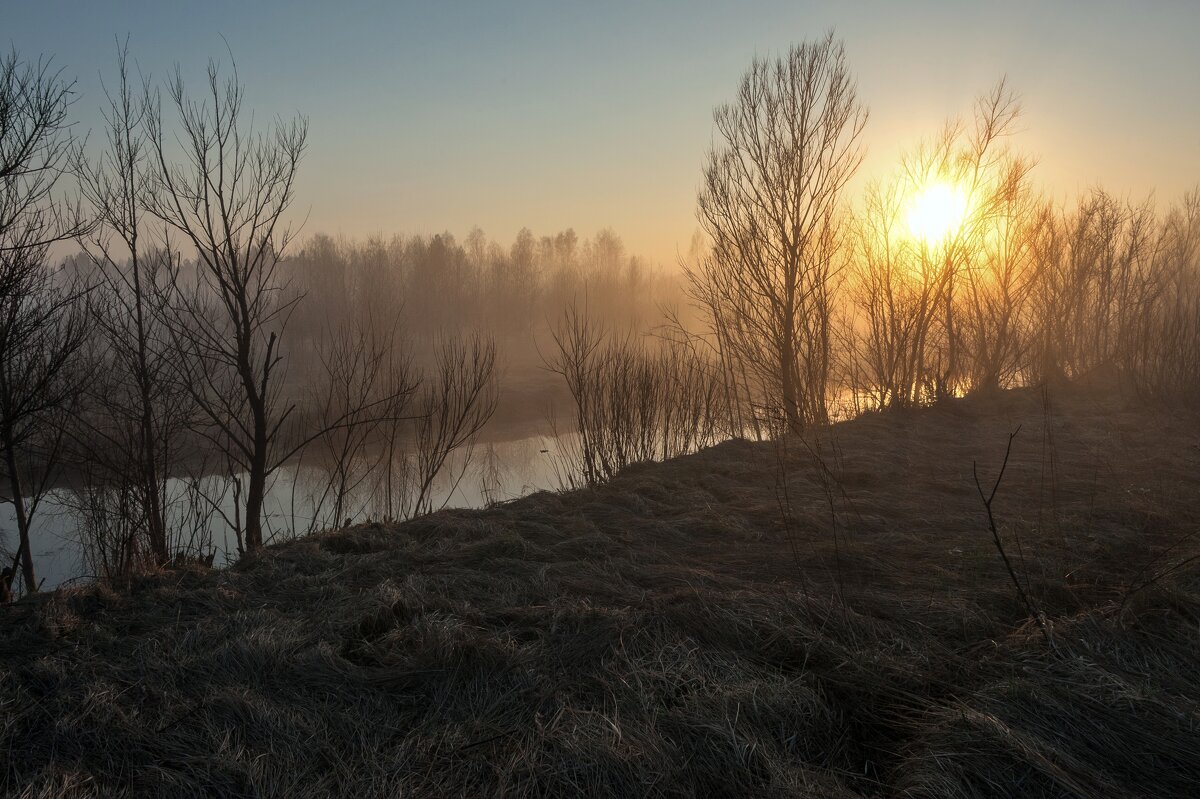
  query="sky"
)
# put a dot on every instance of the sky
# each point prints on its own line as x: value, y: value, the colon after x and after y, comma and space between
x: 426, y: 117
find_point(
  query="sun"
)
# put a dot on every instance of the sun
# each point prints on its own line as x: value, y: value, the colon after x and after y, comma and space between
x: 936, y: 211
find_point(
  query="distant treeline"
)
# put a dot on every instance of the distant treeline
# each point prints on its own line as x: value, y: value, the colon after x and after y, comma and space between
x: 436, y: 284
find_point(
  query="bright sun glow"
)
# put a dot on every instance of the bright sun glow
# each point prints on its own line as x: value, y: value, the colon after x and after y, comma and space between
x: 936, y: 211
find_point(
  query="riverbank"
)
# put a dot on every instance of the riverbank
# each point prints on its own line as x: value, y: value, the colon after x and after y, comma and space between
x: 828, y: 618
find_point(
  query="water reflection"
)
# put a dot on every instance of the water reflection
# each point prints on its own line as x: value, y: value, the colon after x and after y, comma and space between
x: 495, y: 472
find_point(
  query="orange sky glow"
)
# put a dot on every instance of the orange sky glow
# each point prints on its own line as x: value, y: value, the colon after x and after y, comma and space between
x: 554, y: 115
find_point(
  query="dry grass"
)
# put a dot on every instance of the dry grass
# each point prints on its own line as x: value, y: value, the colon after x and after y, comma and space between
x: 671, y: 633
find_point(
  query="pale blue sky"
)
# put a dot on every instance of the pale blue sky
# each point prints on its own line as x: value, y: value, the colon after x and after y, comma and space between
x: 434, y: 116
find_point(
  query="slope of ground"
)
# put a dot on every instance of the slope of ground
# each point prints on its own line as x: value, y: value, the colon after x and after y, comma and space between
x: 825, y: 618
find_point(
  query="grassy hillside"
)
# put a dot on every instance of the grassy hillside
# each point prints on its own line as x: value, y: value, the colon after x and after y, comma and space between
x: 823, y: 618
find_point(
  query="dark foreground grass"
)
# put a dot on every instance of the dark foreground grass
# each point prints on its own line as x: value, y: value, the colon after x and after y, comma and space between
x: 689, y: 629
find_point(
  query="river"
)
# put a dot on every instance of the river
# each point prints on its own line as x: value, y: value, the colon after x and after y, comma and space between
x: 496, y: 472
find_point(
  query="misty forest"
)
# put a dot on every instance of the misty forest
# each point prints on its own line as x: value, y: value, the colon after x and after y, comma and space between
x: 887, y: 486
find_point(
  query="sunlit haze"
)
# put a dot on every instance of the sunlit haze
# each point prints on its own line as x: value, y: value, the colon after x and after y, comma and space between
x: 935, y: 211
x: 551, y: 115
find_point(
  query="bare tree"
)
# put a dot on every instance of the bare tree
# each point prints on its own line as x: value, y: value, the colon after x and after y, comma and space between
x: 633, y: 400
x: 992, y: 183
x: 912, y: 294
x: 35, y: 146
x: 41, y: 327
x: 771, y: 202
x: 226, y: 194
x: 134, y: 439
x: 363, y: 386
x: 1099, y: 267
x: 993, y: 329
x: 454, y: 404
x: 896, y: 302
x: 42, y: 330
x: 1165, y: 349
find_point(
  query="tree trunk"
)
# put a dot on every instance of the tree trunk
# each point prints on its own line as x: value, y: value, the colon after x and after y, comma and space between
x: 254, y: 506
x: 156, y: 519
x: 787, y: 371
x: 945, y: 388
x: 257, y: 489
x: 156, y: 515
x: 24, y: 552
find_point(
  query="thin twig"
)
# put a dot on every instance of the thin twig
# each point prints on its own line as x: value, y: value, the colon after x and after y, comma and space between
x: 987, y: 505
